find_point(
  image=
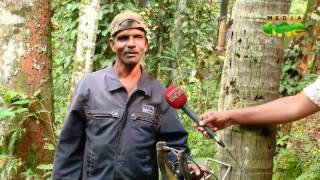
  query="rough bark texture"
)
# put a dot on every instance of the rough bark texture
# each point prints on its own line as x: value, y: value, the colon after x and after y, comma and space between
x: 87, y: 34
x: 314, y: 33
x: 251, y: 76
x: 25, y: 63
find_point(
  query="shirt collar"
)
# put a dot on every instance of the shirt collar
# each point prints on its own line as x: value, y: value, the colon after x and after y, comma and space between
x: 113, y: 83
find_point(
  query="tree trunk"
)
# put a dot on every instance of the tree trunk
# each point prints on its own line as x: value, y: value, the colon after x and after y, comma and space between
x: 25, y: 63
x: 87, y: 33
x: 222, y: 26
x: 251, y: 75
x: 141, y: 3
x: 313, y: 31
x: 176, y: 36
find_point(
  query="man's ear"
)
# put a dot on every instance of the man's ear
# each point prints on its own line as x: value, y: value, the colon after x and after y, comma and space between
x: 111, y: 44
x: 147, y: 44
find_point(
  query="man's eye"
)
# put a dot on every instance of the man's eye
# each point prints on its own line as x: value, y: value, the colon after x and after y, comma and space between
x: 138, y: 36
x: 122, y: 38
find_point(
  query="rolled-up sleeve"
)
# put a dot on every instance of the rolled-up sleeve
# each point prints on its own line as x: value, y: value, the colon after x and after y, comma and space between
x: 313, y: 92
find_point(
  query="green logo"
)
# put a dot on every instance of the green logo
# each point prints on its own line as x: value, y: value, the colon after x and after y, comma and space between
x: 284, y: 29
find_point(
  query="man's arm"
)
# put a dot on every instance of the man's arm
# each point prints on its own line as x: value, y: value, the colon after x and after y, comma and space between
x: 174, y: 134
x: 70, y: 148
x: 282, y: 110
x: 172, y: 131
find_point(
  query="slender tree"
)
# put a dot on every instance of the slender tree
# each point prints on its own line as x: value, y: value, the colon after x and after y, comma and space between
x: 251, y: 76
x: 25, y: 63
x: 87, y: 34
x: 141, y: 3
x: 222, y: 26
x: 176, y: 35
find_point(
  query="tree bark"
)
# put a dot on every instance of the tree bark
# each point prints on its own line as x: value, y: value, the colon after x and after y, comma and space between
x: 176, y: 36
x: 222, y: 26
x: 25, y: 63
x: 250, y: 76
x: 313, y: 31
x: 87, y: 34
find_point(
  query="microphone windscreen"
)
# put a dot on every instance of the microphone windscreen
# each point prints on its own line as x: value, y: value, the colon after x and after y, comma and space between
x: 175, y: 96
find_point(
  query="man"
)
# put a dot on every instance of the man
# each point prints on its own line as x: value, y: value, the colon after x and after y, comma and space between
x: 118, y: 115
x: 282, y: 110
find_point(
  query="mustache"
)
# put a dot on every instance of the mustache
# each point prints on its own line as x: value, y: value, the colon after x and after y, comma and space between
x: 135, y: 52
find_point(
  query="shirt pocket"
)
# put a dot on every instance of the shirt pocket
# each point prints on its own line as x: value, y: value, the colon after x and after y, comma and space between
x: 102, y: 123
x: 145, y: 120
x: 102, y: 115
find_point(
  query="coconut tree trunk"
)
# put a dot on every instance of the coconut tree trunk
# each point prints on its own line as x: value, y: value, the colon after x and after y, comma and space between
x: 251, y: 75
x: 25, y: 63
x: 87, y: 34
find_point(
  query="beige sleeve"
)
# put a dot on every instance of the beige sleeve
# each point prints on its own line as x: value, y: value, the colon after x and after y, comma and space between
x: 313, y: 92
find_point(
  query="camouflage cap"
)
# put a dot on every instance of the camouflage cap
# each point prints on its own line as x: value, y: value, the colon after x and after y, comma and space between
x: 127, y: 20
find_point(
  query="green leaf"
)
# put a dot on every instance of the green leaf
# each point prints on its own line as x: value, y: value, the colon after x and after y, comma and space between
x: 10, y: 96
x: 21, y: 110
x: 21, y: 102
x: 167, y: 68
x: 37, y: 94
x: 184, y: 24
x: 13, y: 139
x: 49, y: 146
x: 6, y: 112
x: 45, y: 166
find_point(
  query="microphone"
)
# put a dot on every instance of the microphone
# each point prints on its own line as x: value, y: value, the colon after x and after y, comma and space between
x: 178, y: 100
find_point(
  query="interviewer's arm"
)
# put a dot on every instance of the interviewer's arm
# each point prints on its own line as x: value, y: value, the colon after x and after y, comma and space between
x: 282, y: 110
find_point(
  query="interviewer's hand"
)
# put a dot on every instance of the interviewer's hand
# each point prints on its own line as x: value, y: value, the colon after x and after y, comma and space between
x: 215, y: 120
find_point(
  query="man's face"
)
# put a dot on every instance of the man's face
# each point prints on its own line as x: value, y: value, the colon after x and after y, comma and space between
x: 129, y: 45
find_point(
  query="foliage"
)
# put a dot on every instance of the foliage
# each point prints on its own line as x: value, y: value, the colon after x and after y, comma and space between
x: 15, y: 109
x: 292, y: 81
x: 30, y: 175
x: 300, y: 159
x: 8, y: 166
x: 197, y: 72
x: 293, y: 77
x: 64, y: 36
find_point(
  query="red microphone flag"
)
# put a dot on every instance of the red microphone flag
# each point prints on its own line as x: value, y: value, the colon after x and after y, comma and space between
x: 175, y: 96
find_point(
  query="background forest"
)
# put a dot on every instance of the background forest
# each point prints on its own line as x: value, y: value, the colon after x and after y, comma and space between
x: 182, y: 40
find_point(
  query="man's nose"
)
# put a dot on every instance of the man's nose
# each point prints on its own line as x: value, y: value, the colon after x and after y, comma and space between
x: 131, y: 42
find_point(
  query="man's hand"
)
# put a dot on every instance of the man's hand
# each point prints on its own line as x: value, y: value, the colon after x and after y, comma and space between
x: 199, y: 172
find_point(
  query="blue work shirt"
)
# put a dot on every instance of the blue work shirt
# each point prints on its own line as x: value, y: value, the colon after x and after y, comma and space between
x: 108, y: 135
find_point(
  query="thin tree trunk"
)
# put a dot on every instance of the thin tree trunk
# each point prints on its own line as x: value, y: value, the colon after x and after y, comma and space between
x: 223, y: 26
x: 141, y: 3
x: 176, y: 35
x: 251, y: 75
x: 87, y: 33
x: 25, y: 63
